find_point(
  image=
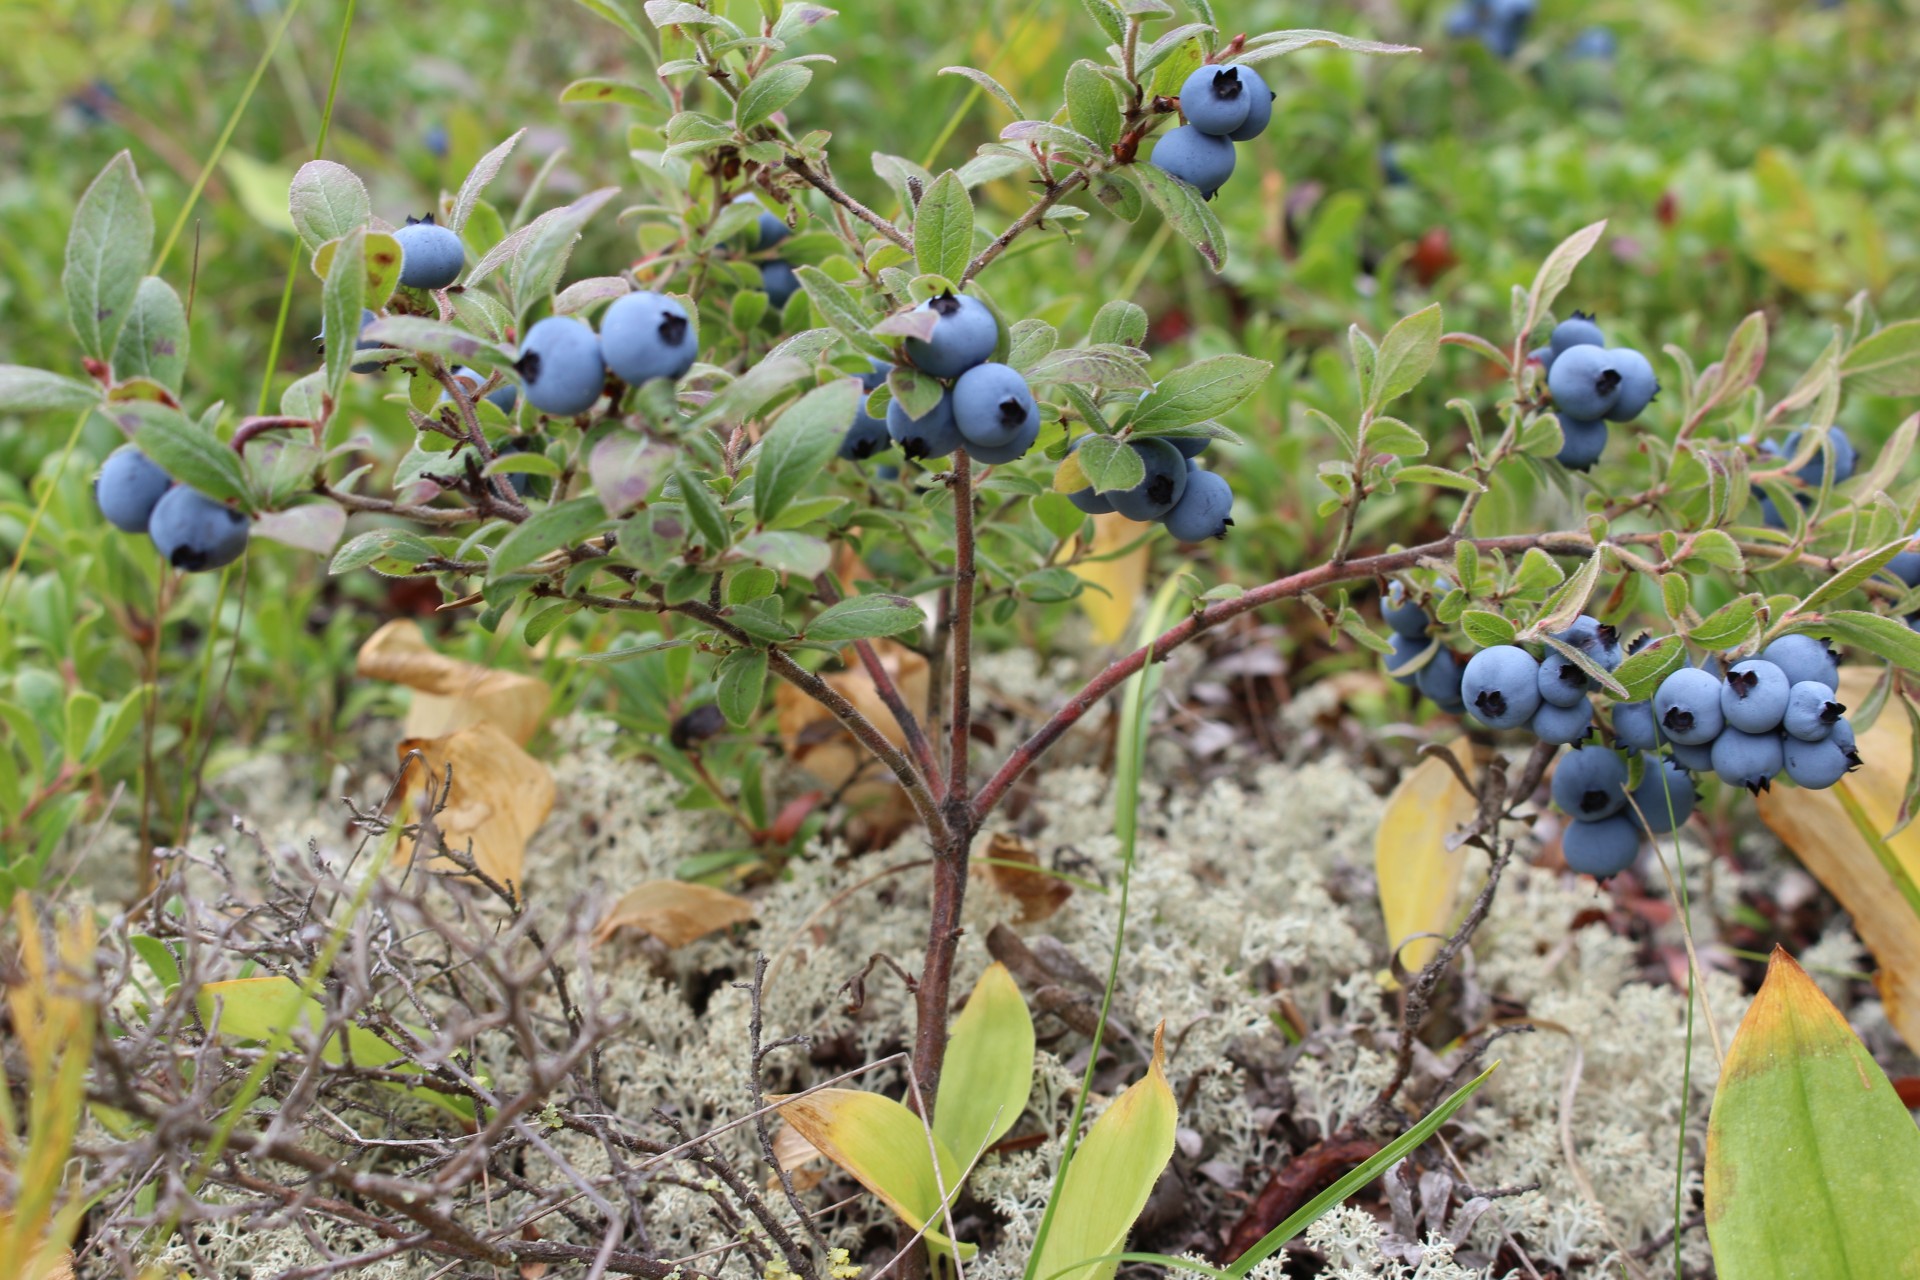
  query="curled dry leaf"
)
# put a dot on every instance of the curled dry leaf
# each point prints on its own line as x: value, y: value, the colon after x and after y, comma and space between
x: 1822, y: 834
x: 1114, y: 585
x: 500, y: 796
x: 815, y: 741
x: 674, y: 911
x: 1039, y: 894
x: 449, y: 694
x: 801, y: 1159
x: 1419, y: 875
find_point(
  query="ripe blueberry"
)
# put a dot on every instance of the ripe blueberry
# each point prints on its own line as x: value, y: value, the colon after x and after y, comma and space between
x: 1259, y: 105
x: 933, y: 436
x: 964, y: 334
x: 1215, y: 99
x: 1501, y: 686
x: 1563, y: 726
x: 992, y: 406
x: 1578, y: 330
x: 1687, y: 706
x: 1405, y: 650
x: 1585, y: 382
x: 769, y: 231
x: 1581, y: 442
x: 1012, y: 451
x: 561, y: 366
x: 1205, y: 510
x: 127, y: 488
x: 866, y: 435
x: 647, y: 335
x: 1634, y: 725
x: 1638, y: 386
x: 192, y: 532
x: 1747, y: 760
x: 1802, y: 657
x: 1818, y: 765
x: 1811, y: 711
x: 1440, y: 680
x: 1601, y: 849
x: 1162, y: 486
x: 430, y: 255
x: 1562, y: 682
x: 1753, y: 697
x: 778, y: 282
x: 1190, y: 447
x: 1198, y: 159
x: 1542, y: 356
x: 1403, y: 613
x: 1663, y: 805
x: 1590, y: 783
x: 1845, y: 458
x: 1598, y: 640
x: 504, y: 397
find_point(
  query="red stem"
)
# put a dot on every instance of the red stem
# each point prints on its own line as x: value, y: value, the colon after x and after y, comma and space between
x: 960, y: 730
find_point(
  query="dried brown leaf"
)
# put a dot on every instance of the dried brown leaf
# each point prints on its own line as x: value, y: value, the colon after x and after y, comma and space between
x: 1039, y: 894
x: 500, y: 796
x: 674, y: 911
x: 450, y: 694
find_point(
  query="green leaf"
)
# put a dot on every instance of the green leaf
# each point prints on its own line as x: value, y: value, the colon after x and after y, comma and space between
x: 1392, y: 436
x: 154, y: 342
x: 1886, y: 362
x: 1486, y: 629
x: 738, y: 683
x: 704, y: 510
x: 1108, y: 464
x: 796, y: 553
x: 1740, y: 366
x: 865, y: 618
x: 327, y: 201
x: 1569, y: 600
x: 432, y: 337
x: 380, y: 544
x: 770, y: 91
x: 1119, y: 322
x: 24, y: 390
x: 1718, y: 549
x: 341, y: 302
x: 1406, y: 355
x: 799, y: 445
x: 1642, y: 672
x: 1276, y: 43
x: 541, y: 258
x: 1557, y: 272
x: 1854, y: 575
x: 107, y: 250
x: 1812, y: 1158
x: 988, y: 1075
x: 616, y: 12
x: 1092, y: 105
x: 614, y: 93
x: 1028, y: 341
x: 181, y: 448
x: 886, y: 1149
x: 477, y: 179
x: 548, y: 530
x: 1891, y: 638
x: 943, y: 228
x: 1200, y: 391
x: 160, y: 960
x: 1445, y: 479
x: 753, y: 390
x: 837, y: 305
x: 1106, y: 17
x: 1185, y: 211
x: 992, y: 86
x: 1727, y: 626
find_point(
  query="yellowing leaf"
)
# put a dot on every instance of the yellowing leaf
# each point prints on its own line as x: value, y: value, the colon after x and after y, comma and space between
x: 1419, y: 876
x: 1111, y: 1176
x: 886, y: 1149
x: 1813, y: 1164
x: 1114, y: 585
x: 450, y: 694
x: 817, y: 741
x: 988, y: 1073
x: 1039, y: 893
x: 674, y: 911
x: 1822, y: 834
x: 500, y: 796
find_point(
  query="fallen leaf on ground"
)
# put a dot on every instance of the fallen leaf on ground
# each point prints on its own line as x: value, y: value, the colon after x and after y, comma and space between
x: 674, y: 911
x: 818, y: 743
x: 804, y: 1164
x: 1419, y: 876
x: 1114, y: 586
x: 449, y: 694
x: 500, y: 797
x: 1039, y: 894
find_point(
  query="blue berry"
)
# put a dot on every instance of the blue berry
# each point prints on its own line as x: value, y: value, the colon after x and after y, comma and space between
x: 993, y: 406
x: 1214, y: 99
x: 1747, y: 760
x: 1578, y: 330
x: 1597, y: 43
x: 1404, y: 614
x: 1601, y: 849
x: 1205, y: 510
x: 430, y: 255
x: 1753, y: 697
x: 875, y: 374
x: 1581, y: 442
x: 1843, y: 734
x: 1562, y: 682
x: 964, y: 334
x: 1198, y: 159
x: 1693, y: 757
x: 866, y: 435
x: 1563, y: 726
x: 1845, y: 458
x: 194, y: 533
x: 769, y: 231
x: 1012, y: 451
x: 561, y: 366
x: 1818, y: 765
x: 1259, y: 105
x: 1090, y: 500
x: 1190, y: 447
x: 1638, y: 386
x: 933, y: 436
x: 1590, y: 783
x: 1585, y: 382
x: 1802, y: 657
x: 1634, y: 725
x: 1542, y: 356
x: 1162, y: 486
x: 1440, y: 680
x: 1598, y: 640
x: 778, y: 282
x: 1502, y: 686
x: 127, y: 488
x: 647, y: 335
x: 1663, y: 806
x: 1405, y: 650
x: 1687, y: 706
x: 1906, y: 567
x: 1811, y: 711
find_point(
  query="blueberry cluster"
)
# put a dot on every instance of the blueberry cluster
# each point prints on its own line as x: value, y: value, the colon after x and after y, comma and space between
x: 430, y: 255
x: 1194, y: 504
x: 1845, y: 460
x: 1592, y: 384
x: 644, y: 335
x: 776, y: 277
x: 1223, y: 104
x: 1439, y: 678
x: 191, y: 531
x: 1500, y: 25
x: 986, y: 408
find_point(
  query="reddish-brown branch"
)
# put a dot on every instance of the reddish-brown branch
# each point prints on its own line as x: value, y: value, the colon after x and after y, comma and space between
x: 251, y: 427
x: 960, y: 721
x: 1293, y: 1184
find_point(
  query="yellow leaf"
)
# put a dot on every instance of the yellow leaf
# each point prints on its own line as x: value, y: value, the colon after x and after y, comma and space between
x: 812, y: 737
x: 501, y: 795
x: 674, y: 911
x: 448, y: 694
x: 1419, y: 876
x: 1111, y: 1176
x: 988, y: 1074
x: 1822, y: 834
x: 885, y: 1147
x: 1114, y: 585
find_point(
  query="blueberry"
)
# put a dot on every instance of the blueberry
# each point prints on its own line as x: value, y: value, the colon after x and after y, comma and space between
x: 1205, y: 510
x: 128, y: 486
x: 1161, y: 487
x: 561, y: 366
x: 647, y: 335
x: 1403, y: 614
x: 1542, y: 356
x: 875, y: 375
x: 1440, y: 679
x: 1638, y: 386
x: 1601, y: 849
x: 1585, y: 382
x: 1753, y: 697
x: 505, y: 397
x: 1405, y: 650
x: 1578, y: 330
x: 430, y: 255
x: 1597, y: 43
x: 778, y: 282
x: 992, y: 407
x: 964, y: 334
x: 1092, y: 502
x: 1190, y: 447
x: 1811, y: 711
x: 1590, y: 783
x: 1634, y: 725
x: 1687, y: 706
x: 1562, y: 682
x: 1747, y: 760
x: 1693, y: 757
x: 1845, y: 458
x: 1663, y: 805
x: 866, y: 435
x: 193, y: 532
x: 1906, y: 567
x: 1012, y: 451
x: 1463, y: 20
x: 933, y: 436
x: 1259, y: 105
x: 1563, y: 726
x: 1502, y: 686
x: 1390, y: 169
x: 1843, y: 734
x: 1818, y: 765
x: 1581, y: 442
x: 1802, y: 657
x: 1197, y: 159
x: 769, y: 231
x: 1214, y: 99
x: 436, y: 141
x: 1598, y: 640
